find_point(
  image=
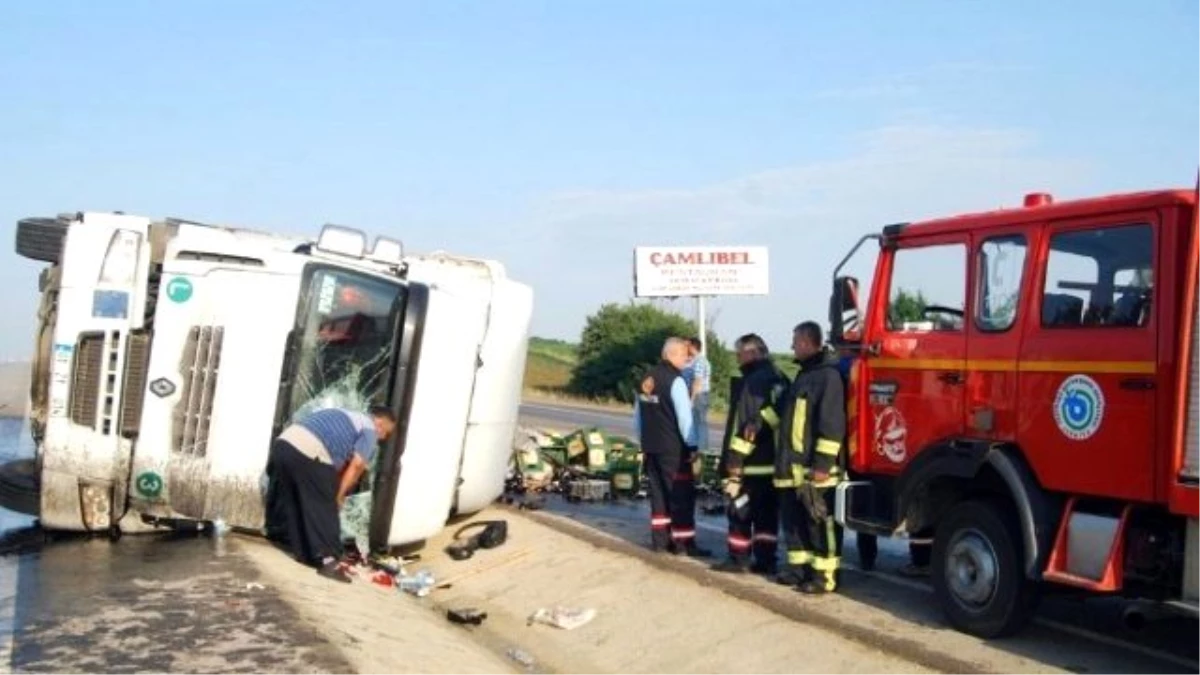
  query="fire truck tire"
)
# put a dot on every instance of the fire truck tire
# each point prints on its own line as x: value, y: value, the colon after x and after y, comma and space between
x: 41, y: 238
x: 976, y: 570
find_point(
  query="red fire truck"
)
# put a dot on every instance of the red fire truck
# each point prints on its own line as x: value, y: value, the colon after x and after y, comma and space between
x: 1023, y: 393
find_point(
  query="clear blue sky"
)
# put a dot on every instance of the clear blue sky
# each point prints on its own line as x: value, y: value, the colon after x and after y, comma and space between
x: 556, y: 136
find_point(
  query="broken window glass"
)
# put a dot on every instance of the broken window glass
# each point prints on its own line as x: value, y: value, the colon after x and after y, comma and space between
x: 346, y: 348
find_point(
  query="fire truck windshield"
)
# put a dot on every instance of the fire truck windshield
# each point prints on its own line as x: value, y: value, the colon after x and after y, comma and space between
x: 344, y: 340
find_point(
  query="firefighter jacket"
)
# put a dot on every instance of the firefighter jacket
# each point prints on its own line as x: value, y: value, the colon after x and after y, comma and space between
x: 812, y: 423
x: 754, y: 420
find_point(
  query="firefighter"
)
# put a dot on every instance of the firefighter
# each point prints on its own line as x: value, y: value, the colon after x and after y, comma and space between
x: 663, y: 420
x: 808, y: 466
x: 748, y: 460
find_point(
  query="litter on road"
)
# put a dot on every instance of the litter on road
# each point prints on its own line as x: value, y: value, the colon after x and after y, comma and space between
x: 566, y: 618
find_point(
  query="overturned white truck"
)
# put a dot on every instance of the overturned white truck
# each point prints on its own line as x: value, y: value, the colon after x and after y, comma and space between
x: 169, y: 353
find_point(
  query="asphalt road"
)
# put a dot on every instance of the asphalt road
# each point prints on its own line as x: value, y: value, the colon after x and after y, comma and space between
x: 192, y: 605
x: 571, y: 417
x: 1070, y: 632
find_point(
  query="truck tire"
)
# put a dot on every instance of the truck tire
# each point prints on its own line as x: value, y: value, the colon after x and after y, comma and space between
x: 41, y: 238
x: 19, y: 486
x: 977, y: 573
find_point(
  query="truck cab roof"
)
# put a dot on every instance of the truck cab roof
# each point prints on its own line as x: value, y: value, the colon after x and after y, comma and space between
x: 1041, y: 207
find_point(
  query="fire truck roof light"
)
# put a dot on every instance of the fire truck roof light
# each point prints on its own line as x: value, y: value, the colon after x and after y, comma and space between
x: 1038, y: 199
x: 343, y: 240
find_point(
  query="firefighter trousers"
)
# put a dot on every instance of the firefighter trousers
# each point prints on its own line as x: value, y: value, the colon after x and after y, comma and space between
x: 758, y: 530
x: 813, y: 541
x: 672, y: 498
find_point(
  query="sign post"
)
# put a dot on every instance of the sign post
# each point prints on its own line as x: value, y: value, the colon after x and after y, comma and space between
x: 700, y: 272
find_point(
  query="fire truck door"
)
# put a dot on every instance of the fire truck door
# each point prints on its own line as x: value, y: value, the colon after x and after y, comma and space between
x: 915, y: 384
x: 999, y: 296
x: 1087, y: 386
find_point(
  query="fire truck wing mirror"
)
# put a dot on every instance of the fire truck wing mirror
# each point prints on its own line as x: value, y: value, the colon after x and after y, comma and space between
x: 844, y: 315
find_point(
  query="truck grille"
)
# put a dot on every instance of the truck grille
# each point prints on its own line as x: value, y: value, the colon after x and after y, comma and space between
x: 137, y: 358
x: 85, y: 379
x: 200, y: 366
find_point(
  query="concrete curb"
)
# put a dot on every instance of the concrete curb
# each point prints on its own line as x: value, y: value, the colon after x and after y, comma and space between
x: 798, y: 611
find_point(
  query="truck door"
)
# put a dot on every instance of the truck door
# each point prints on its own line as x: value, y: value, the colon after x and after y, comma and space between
x: 994, y: 333
x: 1087, y: 386
x: 439, y: 353
x: 915, y: 384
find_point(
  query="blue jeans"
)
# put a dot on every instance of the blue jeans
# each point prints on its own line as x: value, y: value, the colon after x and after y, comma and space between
x: 700, y: 420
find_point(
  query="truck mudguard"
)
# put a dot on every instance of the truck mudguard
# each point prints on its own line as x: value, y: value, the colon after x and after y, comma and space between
x: 964, y: 459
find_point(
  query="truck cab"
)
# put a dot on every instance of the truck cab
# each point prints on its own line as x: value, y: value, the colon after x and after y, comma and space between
x: 1024, y: 394
x: 170, y: 353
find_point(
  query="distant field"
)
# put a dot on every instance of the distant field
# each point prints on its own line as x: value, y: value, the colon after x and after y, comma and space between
x: 548, y: 365
x: 549, y: 362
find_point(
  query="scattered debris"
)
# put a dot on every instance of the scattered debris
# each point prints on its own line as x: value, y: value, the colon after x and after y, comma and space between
x: 576, y: 464
x: 419, y: 584
x: 566, y: 618
x: 387, y: 563
x: 384, y: 579
x: 589, y: 490
x: 494, y: 534
x: 467, y: 616
x: 255, y: 586
x: 520, y: 656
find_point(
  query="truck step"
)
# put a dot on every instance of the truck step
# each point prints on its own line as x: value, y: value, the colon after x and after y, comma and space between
x: 1089, y: 550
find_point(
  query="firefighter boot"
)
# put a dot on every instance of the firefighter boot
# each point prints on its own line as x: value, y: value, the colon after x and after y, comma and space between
x: 691, y: 550
x: 767, y: 568
x: 794, y: 576
x: 734, y: 564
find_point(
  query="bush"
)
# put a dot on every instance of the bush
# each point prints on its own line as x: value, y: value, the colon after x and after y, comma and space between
x: 621, y: 342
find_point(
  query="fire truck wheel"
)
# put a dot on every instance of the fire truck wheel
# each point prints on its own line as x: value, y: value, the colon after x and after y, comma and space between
x: 977, y: 572
x: 41, y: 238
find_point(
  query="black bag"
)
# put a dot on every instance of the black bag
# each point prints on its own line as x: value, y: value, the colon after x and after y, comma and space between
x: 495, y: 533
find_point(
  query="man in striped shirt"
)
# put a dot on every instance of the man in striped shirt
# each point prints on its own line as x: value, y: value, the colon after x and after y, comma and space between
x: 313, y: 465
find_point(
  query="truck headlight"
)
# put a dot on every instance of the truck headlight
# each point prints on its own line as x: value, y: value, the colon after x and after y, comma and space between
x: 95, y: 502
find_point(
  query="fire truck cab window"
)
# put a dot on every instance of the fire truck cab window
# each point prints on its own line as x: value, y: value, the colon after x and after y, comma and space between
x: 1099, y: 278
x: 928, y: 289
x: 1001, y: 266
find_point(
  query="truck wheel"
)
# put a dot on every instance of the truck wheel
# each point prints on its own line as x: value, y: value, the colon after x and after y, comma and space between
x: 868, y: 550
x: 41, y: 238
x: 977, y: 572
x: 20, y: 486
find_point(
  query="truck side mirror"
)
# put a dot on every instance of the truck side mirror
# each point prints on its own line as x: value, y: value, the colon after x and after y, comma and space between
x: 844, y: 315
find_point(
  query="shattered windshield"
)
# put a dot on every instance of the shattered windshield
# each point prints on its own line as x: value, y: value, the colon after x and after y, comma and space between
x: 345, y: 341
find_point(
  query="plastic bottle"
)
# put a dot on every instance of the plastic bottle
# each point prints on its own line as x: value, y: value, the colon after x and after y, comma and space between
x: 419, y: 584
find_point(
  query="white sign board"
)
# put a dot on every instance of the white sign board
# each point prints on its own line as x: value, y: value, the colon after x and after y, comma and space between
x: 670, y: 271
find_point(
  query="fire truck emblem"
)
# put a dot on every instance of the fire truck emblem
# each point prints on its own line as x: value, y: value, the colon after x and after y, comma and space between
x: 891, y: 435
x: 1079, y: 407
